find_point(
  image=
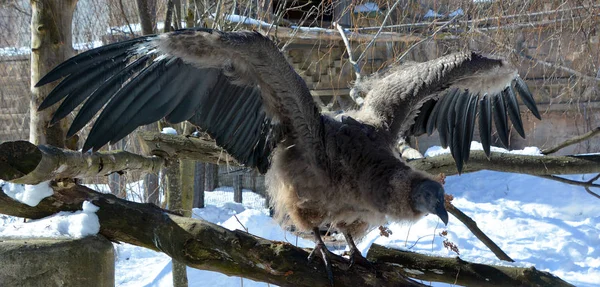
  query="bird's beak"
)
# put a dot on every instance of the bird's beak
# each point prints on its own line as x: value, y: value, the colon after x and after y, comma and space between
x: 440, y: 210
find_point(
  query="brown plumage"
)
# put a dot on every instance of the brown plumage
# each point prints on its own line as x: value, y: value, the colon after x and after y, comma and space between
x: 237, y: 86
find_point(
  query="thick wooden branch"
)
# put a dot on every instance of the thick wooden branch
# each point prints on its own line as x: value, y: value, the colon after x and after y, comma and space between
x: 207, y: 246
x: 24, y: 162
x: 506, y: 162
x: 458, y: 271
x: 201, y: 148
x: 204, y: 149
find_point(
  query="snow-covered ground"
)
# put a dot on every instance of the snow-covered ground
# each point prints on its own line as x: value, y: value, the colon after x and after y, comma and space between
x: 550, y: 225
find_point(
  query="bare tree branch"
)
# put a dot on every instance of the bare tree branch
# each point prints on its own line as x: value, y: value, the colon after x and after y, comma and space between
x: 506, y: 162
x: 569, y: 181
x: 572, y: 141
x: 201, y: 148
x: 460, y: 272
x: 387, y: 15
x: 24, y: 162
x: 424, y: 39
x: 472, y: 226
x: 585, y: 184
x: 587, y: 188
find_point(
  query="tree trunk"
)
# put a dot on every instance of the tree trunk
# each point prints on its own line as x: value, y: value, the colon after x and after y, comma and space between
x: 147, y: 12
x: 169, y: 16
x: 190, y: 14
x: 199, y: 177
x: 51, y: 44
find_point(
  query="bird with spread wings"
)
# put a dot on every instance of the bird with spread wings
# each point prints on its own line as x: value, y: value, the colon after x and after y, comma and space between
x: 239, y: 88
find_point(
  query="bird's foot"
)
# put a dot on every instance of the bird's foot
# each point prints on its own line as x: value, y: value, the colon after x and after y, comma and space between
x: 356, y: 258
x: 325, y: 255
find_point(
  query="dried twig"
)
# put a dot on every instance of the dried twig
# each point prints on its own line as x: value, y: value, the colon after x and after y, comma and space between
x: 472, y: 226
x: 591, y: 192
x: 585, y: 184
x: 387, y: 15
x: 424, y: 39
x: 572, y: 141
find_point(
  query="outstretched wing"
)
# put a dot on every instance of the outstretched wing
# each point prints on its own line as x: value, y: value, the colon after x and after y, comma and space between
x: 237, y: 86
x: 448, y: 94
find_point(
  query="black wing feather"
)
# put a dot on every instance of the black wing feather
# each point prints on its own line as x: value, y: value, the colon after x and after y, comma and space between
x: 512, y: 107
x: 442, y: 119
x: 420, y: 125
x: 458, y: 119
x: 527, y: 97
x: 499, y: 113
x: 469, y: 127
x: 485, y: 123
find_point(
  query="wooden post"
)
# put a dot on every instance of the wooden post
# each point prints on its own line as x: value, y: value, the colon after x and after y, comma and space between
x: 237, y: 187
x: 212, y: 177
x: 199, y: 178
x: 116, y: 183
x: 175, y: 202
x: 51, y: 44
x: 186, y: 170
x: 151, y: 188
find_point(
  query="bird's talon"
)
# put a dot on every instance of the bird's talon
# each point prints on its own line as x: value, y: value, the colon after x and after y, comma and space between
x: 325, y: 255
x: 357, y: 259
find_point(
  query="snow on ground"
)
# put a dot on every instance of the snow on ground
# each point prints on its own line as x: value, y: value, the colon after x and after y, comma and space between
x: 550, y: 225
x: 64, y: 224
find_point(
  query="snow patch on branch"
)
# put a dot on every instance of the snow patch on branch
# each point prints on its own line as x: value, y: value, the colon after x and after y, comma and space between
x: 27, y: 194
x: 438, y: 150
x: 64, y: 224
x: 169, y: 131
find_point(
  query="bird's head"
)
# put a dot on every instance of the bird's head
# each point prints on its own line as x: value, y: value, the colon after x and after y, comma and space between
x: 427, y: 196
x: 414, y: 194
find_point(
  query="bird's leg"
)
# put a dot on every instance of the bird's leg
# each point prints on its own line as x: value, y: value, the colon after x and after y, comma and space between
x: 355, y: 255
x: 325, y: 254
